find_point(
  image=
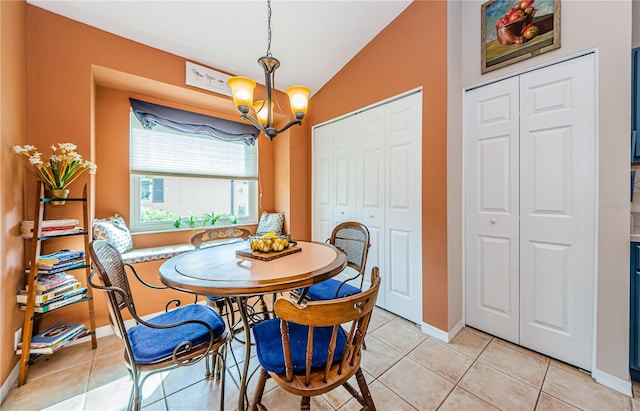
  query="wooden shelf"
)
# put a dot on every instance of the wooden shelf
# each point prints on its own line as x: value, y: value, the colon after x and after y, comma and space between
x: 31, y: 317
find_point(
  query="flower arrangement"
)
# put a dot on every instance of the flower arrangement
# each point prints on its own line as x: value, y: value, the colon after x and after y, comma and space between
x: 62, y: 168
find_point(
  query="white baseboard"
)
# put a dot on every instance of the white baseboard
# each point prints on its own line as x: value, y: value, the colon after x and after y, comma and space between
x: 10, y: 383
x: 439, y: 334
x: 615, y: 383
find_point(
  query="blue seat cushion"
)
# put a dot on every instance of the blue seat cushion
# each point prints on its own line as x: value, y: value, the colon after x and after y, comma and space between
x: 327, y: 290
x: 269, y: 345
x: 150, y: 345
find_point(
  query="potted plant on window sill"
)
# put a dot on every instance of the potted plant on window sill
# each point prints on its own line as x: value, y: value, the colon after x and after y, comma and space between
x: 205, y: 219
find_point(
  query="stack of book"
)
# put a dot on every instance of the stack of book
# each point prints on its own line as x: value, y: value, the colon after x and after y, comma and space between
x: 53, y: 291
x: 60, y: 260
x: 52, y: 227
x: 54, y: 338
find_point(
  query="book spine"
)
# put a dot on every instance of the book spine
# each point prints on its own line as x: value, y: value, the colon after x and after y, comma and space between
x: 57, y: 270
x: 61, y: 303
x: 27, y: 230
x: 50, y: 349
x: 62, y: 255
x: 50, y: 285
x: 76, y: 230
x: 56, y: 304
x: 65, y: 264
x: 50, y: 294
x: 52, y: 223
x: 55, y: 334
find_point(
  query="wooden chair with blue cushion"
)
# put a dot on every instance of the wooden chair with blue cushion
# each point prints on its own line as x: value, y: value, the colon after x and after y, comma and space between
x: 179, y: 337
x: 352, y: 238
x: 307, y: 351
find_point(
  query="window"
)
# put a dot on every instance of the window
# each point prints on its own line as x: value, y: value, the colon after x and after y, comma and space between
x: 185, y: 180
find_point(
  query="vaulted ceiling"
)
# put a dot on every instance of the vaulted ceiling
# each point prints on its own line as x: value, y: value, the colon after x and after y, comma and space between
x: 313, y: 39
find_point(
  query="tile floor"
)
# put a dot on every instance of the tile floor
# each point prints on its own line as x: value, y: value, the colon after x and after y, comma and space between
x: 406, y: 370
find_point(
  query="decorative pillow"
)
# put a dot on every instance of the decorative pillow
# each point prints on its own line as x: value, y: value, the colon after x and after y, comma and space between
x: 113, y: 230
x: 271, y: 222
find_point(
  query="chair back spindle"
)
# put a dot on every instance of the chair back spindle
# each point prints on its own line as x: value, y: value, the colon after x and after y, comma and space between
x: 313, y: 348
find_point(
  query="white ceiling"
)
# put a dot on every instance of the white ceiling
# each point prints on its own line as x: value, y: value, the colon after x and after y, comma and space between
x: 313, y: 39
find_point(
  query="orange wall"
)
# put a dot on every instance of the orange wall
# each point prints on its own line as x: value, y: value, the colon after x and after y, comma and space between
x: 78, y: 82
x: 409, y: 53
x: 13, y: 130
x: 68, y: 99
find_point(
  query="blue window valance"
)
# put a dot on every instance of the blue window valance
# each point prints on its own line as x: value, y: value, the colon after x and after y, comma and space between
x: 150, y: 114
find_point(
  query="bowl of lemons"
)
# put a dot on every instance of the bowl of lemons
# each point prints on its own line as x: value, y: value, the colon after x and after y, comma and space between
x: 270, y: 242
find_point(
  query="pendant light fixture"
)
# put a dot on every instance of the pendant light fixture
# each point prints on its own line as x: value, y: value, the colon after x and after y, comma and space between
x: 242, y: 91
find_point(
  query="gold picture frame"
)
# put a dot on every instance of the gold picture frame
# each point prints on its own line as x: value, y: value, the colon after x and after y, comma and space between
x: 515, y: 30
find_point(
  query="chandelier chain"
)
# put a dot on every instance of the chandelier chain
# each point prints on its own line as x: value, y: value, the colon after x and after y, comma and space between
x: 268, y: 28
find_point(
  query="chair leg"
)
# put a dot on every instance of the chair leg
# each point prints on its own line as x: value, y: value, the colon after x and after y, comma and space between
x: 218, y: 359
x: 263, y: 307
x: 135, y: 400
x: 223, y: 369
x: 220, y: 304
x: 364, y: 390
x: 305, y: 404
x: 257, y: 397
x: 210, y: 362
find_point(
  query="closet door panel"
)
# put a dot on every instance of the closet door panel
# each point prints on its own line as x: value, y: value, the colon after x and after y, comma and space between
x: 557, y: 221
x: 403, y: 211
x: 492, y: 209
x: 371, y: 201
x: 323, y: 186
x: 346, y: 138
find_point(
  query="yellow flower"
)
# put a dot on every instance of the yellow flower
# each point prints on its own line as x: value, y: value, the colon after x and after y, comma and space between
x: 61, y: 169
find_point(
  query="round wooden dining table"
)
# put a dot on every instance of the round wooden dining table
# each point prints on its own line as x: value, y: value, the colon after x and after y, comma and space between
x: 219, y: 271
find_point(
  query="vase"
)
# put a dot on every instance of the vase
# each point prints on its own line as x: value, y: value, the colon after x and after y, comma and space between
x: 56, y: 194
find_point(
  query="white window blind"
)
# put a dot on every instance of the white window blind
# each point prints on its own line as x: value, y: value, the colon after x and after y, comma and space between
x: 163, y: 151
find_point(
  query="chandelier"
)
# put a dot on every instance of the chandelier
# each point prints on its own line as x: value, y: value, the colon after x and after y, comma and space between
x: 242, y: 91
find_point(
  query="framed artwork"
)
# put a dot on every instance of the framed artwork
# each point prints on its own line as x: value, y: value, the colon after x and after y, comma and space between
x: 206, y: 78
x: 515, y: 30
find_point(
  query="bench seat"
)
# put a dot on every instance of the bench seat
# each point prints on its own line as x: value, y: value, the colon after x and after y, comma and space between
x: 142, y: 255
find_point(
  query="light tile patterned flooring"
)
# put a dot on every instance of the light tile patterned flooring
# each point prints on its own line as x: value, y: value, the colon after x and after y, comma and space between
x: 406, y: 370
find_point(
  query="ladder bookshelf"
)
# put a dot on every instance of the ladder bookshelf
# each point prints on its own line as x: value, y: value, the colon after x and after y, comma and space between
x: 31, y: 317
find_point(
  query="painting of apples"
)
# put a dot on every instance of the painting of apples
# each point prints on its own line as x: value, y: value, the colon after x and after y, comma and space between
x: 514, y: 30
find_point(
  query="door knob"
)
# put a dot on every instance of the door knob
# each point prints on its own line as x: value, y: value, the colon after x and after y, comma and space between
x: 492, y: 220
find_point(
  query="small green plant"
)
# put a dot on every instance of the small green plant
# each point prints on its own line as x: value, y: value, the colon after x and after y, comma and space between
x: 177, y: 223
x: 212, y: 218
x: 233, y: 219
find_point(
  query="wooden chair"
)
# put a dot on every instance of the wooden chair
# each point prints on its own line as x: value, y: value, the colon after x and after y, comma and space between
x: 352, y: 238
x: 307, y: 352
x: 213, y: 236
x: 225, y: 306
x: 179, y: 337
x: 216, y: 236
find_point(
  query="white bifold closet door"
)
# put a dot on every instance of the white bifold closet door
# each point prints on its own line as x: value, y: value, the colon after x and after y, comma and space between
x: 367, y: 167
x: 530, y: 195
